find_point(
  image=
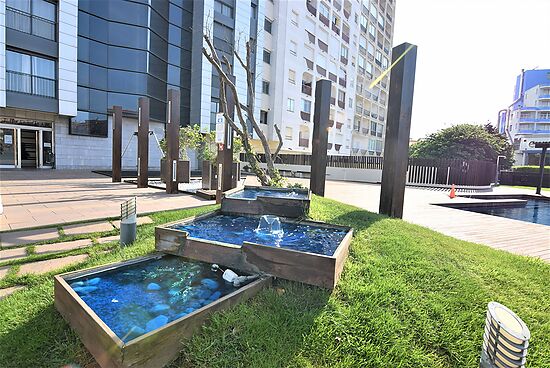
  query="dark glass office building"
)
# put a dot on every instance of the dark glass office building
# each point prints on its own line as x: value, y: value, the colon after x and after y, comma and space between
x: 128, y: 49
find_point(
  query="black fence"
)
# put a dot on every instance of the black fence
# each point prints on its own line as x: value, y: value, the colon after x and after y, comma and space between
x: 420, y: 171
x: 529, y: 179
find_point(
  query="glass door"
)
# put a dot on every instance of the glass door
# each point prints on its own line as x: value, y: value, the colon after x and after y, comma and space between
x: 7, y: 147
x: 47, y: 149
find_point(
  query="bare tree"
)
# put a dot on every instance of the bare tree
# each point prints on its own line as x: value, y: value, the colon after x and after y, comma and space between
x: 244, y: 111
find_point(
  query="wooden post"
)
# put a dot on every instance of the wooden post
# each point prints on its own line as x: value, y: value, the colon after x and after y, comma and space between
x: 225, y: 150
x: 172, y: 140
x: 398, y: 128
x: 116, y: 167
x: 541, y: 167
x: 143, y: 143
x: 319, y: 142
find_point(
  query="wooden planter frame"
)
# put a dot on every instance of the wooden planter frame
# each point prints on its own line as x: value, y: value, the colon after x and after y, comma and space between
x: 266, y: 205
x: 153, y: 349
x: 310, y: 268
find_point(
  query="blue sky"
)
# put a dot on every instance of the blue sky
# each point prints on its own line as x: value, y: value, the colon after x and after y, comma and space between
x: 469, y: 54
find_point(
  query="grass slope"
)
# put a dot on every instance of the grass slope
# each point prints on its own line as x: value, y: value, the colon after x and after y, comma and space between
x: 409, y: 297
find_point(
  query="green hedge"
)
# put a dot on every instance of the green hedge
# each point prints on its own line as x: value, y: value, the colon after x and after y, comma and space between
x: 533, y: 169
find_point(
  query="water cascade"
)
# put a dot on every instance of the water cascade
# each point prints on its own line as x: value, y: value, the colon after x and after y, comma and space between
x: 270, y: 225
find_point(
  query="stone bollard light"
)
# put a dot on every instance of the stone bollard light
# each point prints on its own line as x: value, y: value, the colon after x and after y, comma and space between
x: 128, y: 221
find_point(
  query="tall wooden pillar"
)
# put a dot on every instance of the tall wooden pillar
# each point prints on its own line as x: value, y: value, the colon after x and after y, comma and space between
x: 544, y: 147
x: 319, y: 142
x: 225, y: 150
x: 143, y: 143
x: 172, y: 140
x: 116, y: 167
x: 398, y: 128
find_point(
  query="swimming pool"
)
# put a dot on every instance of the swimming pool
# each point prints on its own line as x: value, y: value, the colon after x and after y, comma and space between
x: 535, y: 210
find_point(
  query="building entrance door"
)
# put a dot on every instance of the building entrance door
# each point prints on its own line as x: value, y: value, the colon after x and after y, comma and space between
x: 8, y: 148
x: 29, y: 148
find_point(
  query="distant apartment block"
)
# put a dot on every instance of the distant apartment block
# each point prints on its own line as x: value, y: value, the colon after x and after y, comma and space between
x: 528, y: 118
x: 65, y: 63
x: 346, y: 41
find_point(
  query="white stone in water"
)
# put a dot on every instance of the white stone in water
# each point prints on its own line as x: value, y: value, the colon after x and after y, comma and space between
x: 270, y: 224
x: 85, y: 289
x: 159, y: 308
x: 153, y: 286
x: 156, y: 322
x: 94, y: 281
x: 77, y: 284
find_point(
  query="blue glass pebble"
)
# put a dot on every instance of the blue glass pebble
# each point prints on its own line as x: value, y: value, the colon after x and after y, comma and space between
x: 85, y: 289
x: 156, y: 322
x: 210, y: 284
x: 77, y: 284
x: 215, y: 296
x: 159, y: 308
x: 153, y: 286
x: 94, y: 281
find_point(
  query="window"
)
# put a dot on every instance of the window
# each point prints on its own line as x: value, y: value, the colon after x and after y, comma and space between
x: 291, y: 76
x: 372, y: 30
x: 267, y: 57
x: 373, y: 11
x: 384, y: 63
x: 378, y: 57
x: 263, y: 117
x: 341, y: 96
x: 294, y: 18
x: 223, y: 9
x: 370, y: 49
x: 288, y: 133
x: 30, y: 74
x: 373, y: 128
x: 350, y: 102
x: 344, y: 51
x: 36, y: 17
x: 265, y: 87
x: 323, y: 10
x: 89, y: 124
x: 290, y: 104
x: 363, y: 21
x: 293, y: 47
x: 306, y: 106
x: 545, y: 115
x: 361, y: 63
x: 363, y: 43
x: 268, y: 24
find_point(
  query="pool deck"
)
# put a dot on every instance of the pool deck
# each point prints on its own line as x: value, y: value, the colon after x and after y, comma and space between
x: 36, y: 198
x: 514, y: 236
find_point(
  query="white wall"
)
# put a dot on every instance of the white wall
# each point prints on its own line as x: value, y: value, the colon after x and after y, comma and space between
x: 81, y: 152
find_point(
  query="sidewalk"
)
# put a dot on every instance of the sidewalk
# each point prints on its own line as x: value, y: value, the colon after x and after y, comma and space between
x: 33, y: 198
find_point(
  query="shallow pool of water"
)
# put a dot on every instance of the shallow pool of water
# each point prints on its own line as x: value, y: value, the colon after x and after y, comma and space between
x: 139, y: 298
x: 253, y: 193
x: 237, y: 229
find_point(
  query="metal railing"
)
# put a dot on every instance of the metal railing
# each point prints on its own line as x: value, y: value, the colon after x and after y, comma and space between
x: 31, y: 24
x: 30, y: 84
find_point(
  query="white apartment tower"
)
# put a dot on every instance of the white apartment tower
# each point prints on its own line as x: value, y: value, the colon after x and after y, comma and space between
x: 346, y: 41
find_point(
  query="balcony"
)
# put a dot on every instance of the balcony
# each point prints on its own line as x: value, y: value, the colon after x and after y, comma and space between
x: 337, y: 5
x: 303, y: 142
x: 30, y: 24
x: 339, y: 125
x: 324, y: 20
x: 311, y: 8
x: 365, y: 131
x: 30, y: 84
x: 356, y: 128
x: 345, y: 37
x: 311, y: 38
x: 337, y: 147
x: 321, y: 71
x: 544, y: 97
x: 333, y: 100
x: 329, y: 146
x: 335, y: 29
x: 381, y: 117
x: 347, y: 13
x: 306, y: 88
x: 374, y: 115
x: 341, y: 104
x: 342, y: 82
x: 309, y: 64
x: 323, y: 46
x: 330, y: 123
x: 343, y: 60
x: 306, y: 116
x: 332, y: 77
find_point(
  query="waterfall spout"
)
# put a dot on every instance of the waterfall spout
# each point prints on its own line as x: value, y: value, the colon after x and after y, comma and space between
x: 270, y: 225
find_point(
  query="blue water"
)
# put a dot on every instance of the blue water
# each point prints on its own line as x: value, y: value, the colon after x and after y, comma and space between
x: 252, y: 193
x: 536, y: 211
x: 237, y: 229
x: 143, y: 297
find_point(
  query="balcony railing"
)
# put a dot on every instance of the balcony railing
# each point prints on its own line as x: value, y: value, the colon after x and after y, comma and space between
x: 343, y: 60
x: 306, y: 88
x: 324, y: 20
x: 337, y: 146
x: 341, y: 104
x: 31, y: 24
x: 332, y: 77
x: 30, y: 84
x: 339, y: 125
x: 365, y: 131
x: 335, y: 29
x: 311, y: 8
x: 342, y: 82
x: 333, y: 100
x: 345, y: 37
x: 306, y: 116
x: 303, y: 142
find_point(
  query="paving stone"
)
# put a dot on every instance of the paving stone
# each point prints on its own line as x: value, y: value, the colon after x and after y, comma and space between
x: 4, y: 271
x: 11, y: 254
x: 140, y: 221
x: 63, y: 247
x: 91, y: 227
x: 8, y: 291
x: 50, y: 265
x: 108, y: 239
x: 15, y: 238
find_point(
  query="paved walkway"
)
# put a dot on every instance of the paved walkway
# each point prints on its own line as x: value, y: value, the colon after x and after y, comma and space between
x: 33, y: 198
x: 518, y: 237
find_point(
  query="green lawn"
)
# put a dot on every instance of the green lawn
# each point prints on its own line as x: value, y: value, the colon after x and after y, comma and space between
x: 409, y: 297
